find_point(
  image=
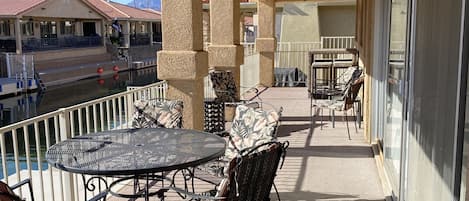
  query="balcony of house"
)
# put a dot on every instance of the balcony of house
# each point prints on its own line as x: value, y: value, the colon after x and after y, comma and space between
x: 322, y: 162
x: 324, y: 154
x: 44, y: 34
x: 65, y: 42
x: 139, y: 39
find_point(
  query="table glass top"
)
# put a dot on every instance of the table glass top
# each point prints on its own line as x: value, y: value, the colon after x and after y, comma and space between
x: 135, y: 151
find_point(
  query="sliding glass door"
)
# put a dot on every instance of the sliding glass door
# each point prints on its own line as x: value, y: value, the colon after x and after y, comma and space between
x: 396, y: 92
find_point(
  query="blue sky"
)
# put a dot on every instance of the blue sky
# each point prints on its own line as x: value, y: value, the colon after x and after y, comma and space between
x: 122, y: 1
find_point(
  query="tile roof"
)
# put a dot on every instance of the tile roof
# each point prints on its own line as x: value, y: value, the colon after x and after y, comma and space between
x: 111, y: 10
x: 15, y: 7
x: 152, y: 10
x: 207, y: 1
x: 136, y: 13
x: 107, y: 9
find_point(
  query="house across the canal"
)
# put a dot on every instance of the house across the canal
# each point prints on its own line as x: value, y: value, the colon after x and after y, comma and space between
x: 72, y: 39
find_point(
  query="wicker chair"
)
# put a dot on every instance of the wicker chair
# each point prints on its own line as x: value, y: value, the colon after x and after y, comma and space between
x: 251, y: 126
x: 250, y: 175
x: 219, y: 109
x: 157, y: 113
x: 347, y: 100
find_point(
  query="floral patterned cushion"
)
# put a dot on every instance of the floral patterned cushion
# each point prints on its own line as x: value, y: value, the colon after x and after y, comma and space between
x: 251, y: 127
x: 157, y: 114
x: 224, y: 85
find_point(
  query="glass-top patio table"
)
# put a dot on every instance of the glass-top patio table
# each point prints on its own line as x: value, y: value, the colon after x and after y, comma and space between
x: 136, y: 152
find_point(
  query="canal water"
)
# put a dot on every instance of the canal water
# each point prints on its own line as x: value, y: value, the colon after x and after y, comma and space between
x: 15, y: 109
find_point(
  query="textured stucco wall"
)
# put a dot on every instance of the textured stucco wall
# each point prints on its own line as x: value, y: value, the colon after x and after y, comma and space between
x: 337, y: 20
x: 300, y: 23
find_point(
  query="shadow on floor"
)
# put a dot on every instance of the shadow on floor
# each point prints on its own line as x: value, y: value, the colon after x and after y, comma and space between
x: 332, y: 151
x: 311, y: 196
x: 286, y: 129
x: 296, y: 118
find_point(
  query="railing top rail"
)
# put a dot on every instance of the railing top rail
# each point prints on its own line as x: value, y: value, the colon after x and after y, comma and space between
x: 71, y: 108
x: 318, y: 42
x: 335, y: 51
x: 337, y: 36
x: 29, y: 121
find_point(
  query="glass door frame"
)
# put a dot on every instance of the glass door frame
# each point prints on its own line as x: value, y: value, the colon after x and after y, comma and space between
x: 410, y: 46
x: 380, y: 59
x: 401, y: 183
x: 464, y: 83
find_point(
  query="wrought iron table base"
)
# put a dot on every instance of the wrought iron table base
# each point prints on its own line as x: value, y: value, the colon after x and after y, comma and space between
x: 137, y: 191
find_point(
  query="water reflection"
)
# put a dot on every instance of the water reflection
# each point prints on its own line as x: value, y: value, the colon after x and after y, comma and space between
x: 14, y: 109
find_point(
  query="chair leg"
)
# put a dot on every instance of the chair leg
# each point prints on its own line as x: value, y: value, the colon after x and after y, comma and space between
x: 322, y: 116
x: 356, y: 118
x: 346, y: 122
x: 358, y: 114
x: 333, y: 118
x: 276, y: 191
x: 311, y: 111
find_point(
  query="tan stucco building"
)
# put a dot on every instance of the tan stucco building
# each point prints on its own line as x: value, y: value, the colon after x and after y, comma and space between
x: 48, y: 25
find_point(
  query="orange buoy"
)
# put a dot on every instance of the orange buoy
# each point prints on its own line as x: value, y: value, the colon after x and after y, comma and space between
x: 115, y: 68
x: 101, y: 81
x: 100, y: 70
x: 115, y: 76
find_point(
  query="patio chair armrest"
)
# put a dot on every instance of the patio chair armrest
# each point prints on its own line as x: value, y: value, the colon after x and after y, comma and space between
x: 222, y: 134
x: 195, y: 196
x: 188, y: 190
x: 211, y: 172
x: 100, y: 196
x: 21, y: 183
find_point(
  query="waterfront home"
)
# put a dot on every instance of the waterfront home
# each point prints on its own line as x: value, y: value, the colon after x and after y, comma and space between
x: 62, y: 35
x: 413, y: 53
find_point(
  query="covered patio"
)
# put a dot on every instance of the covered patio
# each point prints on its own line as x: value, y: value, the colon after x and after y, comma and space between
x: 320, y: 164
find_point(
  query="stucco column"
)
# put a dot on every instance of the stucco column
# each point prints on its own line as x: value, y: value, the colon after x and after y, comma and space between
x: 150, y: 30
x: 225, y: 51
x: 266, y: 41
x: 126, y: 33
x: 103, y: 32
x: 18, y: 32
x: 182, y: 62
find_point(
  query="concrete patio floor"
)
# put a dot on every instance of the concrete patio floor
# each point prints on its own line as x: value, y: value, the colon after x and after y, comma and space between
x: 321, y: 164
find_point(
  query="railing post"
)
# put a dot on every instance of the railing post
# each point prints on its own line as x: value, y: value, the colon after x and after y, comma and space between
x: 322, y: 42
x: 65, y: 133
x: 130, y: 109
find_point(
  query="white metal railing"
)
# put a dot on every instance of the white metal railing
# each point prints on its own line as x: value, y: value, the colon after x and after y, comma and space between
x: 337, y: 42
x: 23, y: 144
x: 249, y: 49
x: 296, y: 54
x: 249, y: 73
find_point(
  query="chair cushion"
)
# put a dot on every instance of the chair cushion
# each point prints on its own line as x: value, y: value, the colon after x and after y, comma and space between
x: 250, y: 128
x: 156, y: 114
x: 224, y: 85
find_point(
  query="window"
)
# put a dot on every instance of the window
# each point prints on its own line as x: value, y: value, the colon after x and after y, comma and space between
x: 28, y: 28
x: 4, y: 28
x: 67, y: 28
x: 48, y: 29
